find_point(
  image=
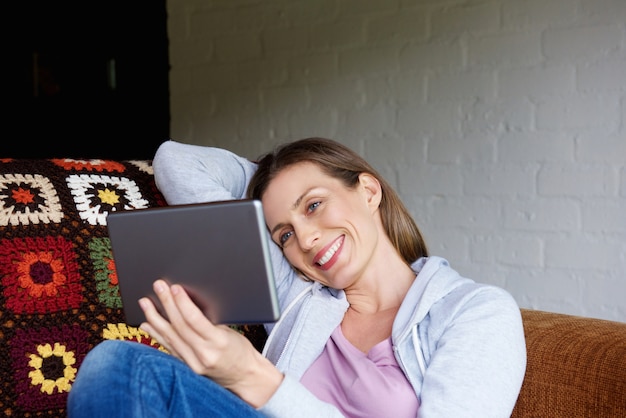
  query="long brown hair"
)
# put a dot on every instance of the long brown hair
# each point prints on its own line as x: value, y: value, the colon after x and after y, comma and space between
x: 340, y: 162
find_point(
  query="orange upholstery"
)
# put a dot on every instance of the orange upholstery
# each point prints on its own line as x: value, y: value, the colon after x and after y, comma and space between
x: 576, y: 367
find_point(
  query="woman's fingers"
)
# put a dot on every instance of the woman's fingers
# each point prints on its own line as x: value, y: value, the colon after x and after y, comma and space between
x: 166, y: 330
x: 206, y: 342
x: 155, y: 322
x: 177, y: 332
x: 190, y: 314
x: 183, y: 314
x: 213, y: 350
x: 209, y: 341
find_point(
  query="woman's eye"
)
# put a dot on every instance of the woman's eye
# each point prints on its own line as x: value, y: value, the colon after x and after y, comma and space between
x: 284, y: 237
x: 313, y: 206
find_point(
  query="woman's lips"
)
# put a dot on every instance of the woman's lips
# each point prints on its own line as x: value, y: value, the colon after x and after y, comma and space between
x: 328, y: 256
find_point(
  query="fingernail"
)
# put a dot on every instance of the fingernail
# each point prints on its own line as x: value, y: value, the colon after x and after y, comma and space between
x: 158, y: 287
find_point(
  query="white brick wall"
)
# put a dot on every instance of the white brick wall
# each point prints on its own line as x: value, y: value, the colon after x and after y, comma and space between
x: 502, y: 123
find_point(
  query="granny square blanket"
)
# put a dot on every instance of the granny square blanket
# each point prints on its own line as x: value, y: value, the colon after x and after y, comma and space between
x: 58, y: 284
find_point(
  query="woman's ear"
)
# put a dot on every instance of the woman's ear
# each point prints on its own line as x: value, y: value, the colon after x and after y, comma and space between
x: 372, y: 190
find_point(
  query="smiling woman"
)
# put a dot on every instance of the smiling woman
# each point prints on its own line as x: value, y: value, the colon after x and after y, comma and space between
x: 366, y: 313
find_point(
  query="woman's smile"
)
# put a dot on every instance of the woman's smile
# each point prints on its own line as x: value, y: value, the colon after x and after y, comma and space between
x: 329, y: 255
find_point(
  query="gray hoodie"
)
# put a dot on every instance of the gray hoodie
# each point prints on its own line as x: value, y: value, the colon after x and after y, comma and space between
x: 460, y: 343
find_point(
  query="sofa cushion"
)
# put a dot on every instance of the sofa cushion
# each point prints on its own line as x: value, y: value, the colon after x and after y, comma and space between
x: 576, y: 367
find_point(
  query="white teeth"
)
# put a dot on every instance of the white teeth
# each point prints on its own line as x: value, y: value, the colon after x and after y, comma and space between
x: 331, y: 251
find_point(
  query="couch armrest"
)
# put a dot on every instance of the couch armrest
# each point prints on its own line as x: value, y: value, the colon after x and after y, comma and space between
x: 576, y: 367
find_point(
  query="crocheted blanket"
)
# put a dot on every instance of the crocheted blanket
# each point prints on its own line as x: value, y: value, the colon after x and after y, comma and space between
x: 58, y: 284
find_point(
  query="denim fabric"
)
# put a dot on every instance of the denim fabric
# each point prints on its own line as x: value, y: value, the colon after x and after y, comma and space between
x: 127, y: 379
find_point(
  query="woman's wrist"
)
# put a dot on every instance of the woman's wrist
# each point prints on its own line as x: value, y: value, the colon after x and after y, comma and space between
x: 260, y: 384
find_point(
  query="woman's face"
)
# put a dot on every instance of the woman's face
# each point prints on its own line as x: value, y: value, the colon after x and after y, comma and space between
x: 327, y: 231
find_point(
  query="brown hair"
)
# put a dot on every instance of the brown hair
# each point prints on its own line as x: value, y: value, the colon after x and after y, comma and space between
x: 340, y: 162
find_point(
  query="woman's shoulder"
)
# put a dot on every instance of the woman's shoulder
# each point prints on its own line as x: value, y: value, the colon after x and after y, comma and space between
x: 480, y: 302
x: 459, y: 293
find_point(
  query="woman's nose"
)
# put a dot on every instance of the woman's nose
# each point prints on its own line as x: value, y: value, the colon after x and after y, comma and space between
x: 307, y: 236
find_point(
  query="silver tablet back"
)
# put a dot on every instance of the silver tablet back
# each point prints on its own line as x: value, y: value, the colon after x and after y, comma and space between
x: 218, y: 251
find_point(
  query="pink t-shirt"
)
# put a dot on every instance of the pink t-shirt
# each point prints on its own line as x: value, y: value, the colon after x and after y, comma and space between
x: 359, y: 384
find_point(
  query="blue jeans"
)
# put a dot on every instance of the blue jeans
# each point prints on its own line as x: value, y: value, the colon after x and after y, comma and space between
x: 127, y: 379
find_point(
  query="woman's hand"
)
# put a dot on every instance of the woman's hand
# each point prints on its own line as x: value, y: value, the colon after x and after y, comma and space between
x: 215, y: 351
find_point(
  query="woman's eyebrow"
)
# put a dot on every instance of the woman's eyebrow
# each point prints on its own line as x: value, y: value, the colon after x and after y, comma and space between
x: 276, y: 228
x: 301, y: 197
x: 293, y: 207
x: 298, y: 201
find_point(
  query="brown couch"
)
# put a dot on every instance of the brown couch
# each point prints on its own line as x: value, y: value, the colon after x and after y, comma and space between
x: 59, y: 297
x: 576, y: 367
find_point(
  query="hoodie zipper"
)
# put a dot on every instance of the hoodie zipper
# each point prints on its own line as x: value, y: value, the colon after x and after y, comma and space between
x: 418, y: 354
x: 418, y: 349
x: 279, y: 323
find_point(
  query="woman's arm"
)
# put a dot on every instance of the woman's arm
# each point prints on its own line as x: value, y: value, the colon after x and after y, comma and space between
x: 478, y: 366
x: 186, y: 173
x: 227, y: 357
x: 215, y: 351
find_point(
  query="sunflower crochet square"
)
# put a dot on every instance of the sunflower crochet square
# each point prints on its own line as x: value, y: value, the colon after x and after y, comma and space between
x: 45, y: 362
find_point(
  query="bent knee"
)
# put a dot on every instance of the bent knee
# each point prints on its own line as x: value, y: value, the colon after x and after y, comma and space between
x: 103, y: 355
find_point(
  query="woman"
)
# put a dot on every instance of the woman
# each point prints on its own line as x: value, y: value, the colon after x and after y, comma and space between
x: 370, y: 326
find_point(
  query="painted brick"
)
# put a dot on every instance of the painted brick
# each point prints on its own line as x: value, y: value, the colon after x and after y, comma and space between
x: 238, y: 47
x: 475, y: 148
x: 428, y: 179
x: 605, y: 216
x: 582, y: 43
x: 365, y: 61
x: 593, y: 148
x: 537, y: 82
x: 531, y: 14
x: 441, y: 118
x: 580, y: 113
x: 339, y: 34
x: 474, y: 85
x: 583, y: 180
x: 500, y: 180
x: 405, y: 25
x: 535, y: 147
x: 502, y: 124
x: 498, y: 116
x: 542, y: 215
x: 465, y: 212
x: 467, y: 17
x: 430, y: 56
x: 582, y: 252
x: 504, y: 50
x: 606, y: 75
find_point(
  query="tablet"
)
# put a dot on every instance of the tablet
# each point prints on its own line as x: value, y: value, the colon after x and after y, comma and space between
x: 218, y: 251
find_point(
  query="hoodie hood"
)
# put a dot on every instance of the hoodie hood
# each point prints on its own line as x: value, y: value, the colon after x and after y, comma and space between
x: 435, y: 279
